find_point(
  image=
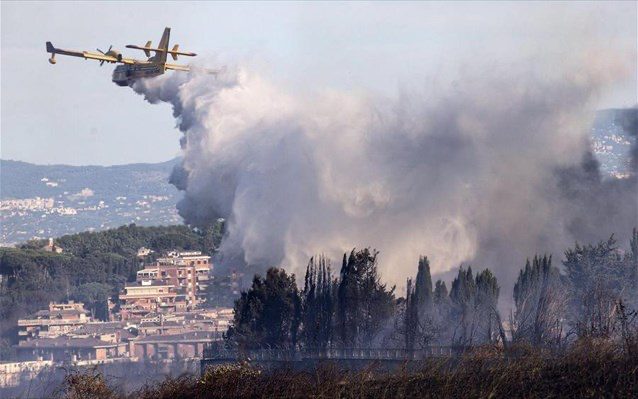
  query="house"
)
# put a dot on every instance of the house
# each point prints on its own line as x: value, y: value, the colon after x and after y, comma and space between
x: 184, y: 345
x: 65, y: 349
x: 144, y: 252
x: 58, y: 320
x: 109, y: 331
x: 52, y: 247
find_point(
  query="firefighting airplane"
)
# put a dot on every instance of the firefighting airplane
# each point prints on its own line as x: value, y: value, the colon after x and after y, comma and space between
x: 124, y: 75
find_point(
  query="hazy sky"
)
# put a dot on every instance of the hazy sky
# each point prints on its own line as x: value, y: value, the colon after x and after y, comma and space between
x: 72, y: 113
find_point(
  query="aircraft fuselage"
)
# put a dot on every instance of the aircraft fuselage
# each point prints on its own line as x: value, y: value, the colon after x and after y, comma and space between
x: 124, y: 75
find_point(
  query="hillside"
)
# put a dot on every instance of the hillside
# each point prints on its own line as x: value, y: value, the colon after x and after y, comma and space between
x: 40, y: 201
x: 93, y: 267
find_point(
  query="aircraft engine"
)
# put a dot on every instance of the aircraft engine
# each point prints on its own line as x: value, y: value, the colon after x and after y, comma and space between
x: 116, y: 54
x: 111, y: 53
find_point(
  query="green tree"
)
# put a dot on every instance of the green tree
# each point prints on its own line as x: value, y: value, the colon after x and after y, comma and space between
x: 364, y: 305
x: 420, y: 326
x: 440, y: 292
x: 473, y: 308
x: 317, y: 304
x: 423, y: 286
x: 268, y: 314
x: 95, y: 298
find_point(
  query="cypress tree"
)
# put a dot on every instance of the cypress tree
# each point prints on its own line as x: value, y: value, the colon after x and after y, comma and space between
x: 423, y: 286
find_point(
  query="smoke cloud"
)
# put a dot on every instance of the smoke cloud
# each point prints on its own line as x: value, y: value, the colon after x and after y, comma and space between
x: 488, y: 170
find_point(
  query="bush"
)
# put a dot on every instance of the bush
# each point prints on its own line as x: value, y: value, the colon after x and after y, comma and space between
x: 590, y: 369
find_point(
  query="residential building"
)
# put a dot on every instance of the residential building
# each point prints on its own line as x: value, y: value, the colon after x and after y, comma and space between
x: 185, y: 345
x: 188, y: 272
x: 59, y: 319
x: 64, y: 349
x: 144, y: 252
x: 151, y: 295
x: 182, y: 322
x: 110, y: 331
x: 52, y: 247
x: 12, y: 374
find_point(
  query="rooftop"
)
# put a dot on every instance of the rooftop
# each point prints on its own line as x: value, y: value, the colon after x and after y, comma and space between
x: 192, y: 336
x: 66, y: 342
x: 149, y: 283
x: 100, y: 327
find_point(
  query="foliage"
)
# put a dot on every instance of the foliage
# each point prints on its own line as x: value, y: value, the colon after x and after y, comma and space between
x: 539, y: 300
x: 87, y: 384
x: 353, y: 310
x: 364, y: 305
x: 473, y: 306
x: 93, y: 266
x: 587, y: 370
x: 597, y: 276
x: 268, y: 314
x: 420, y: 328
x: 95, y: 297
x: 317, y: 304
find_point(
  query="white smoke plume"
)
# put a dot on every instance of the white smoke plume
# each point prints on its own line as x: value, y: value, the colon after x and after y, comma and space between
x: 473, y: 172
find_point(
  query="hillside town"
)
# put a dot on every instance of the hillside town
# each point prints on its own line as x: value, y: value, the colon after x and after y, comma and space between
x: 163, y: 315
x: 40, y: 201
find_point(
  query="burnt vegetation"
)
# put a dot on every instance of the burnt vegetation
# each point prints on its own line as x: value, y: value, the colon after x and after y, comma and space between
x: 590, y: 369
x: 591, y: 295
x: 572, y: 333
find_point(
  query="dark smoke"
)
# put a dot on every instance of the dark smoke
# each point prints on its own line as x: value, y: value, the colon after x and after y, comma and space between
x: 490, y: 171
x: 600, y: 207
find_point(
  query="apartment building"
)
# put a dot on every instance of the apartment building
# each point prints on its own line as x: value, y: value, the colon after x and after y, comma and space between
x: 58, y: 320
x: 187, y: 272
x: 151, y: 295
x: 69, y: 349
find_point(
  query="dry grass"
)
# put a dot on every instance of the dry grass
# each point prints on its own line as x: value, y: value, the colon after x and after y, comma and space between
x: 588, y: 370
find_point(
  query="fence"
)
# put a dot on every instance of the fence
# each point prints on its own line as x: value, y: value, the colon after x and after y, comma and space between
x: 214, y: 352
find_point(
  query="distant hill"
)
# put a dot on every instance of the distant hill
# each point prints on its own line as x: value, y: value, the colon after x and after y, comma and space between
x: 24, y: 180
x: 40, y: 201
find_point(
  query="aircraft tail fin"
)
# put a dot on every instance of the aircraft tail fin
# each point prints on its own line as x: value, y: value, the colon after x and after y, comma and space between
x: 163, y: 45
x: 50, y: 48
x: 174, y: 52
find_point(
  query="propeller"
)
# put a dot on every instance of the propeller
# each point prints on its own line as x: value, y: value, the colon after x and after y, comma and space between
x: 107, y: 51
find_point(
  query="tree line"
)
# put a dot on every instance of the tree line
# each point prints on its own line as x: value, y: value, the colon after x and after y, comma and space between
x: 593, y: 294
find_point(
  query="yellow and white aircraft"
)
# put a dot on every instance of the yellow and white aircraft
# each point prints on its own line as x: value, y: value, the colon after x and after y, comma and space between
x: 132, y: 69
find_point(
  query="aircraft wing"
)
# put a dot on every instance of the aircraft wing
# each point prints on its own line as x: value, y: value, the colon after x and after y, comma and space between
x: 101, y: 57
x: 89, y: 55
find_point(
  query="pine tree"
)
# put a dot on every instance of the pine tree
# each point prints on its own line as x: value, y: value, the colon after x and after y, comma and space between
x: 410, y: 322
x: 268, y: 314
x: 440, y: 292
x: 539, y: 302
x: 487, y: 291
x: 317, y: 309
x: 363, y: 303
x: 597, y: 278
x: 473, y: 308
x: 423, y: 286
